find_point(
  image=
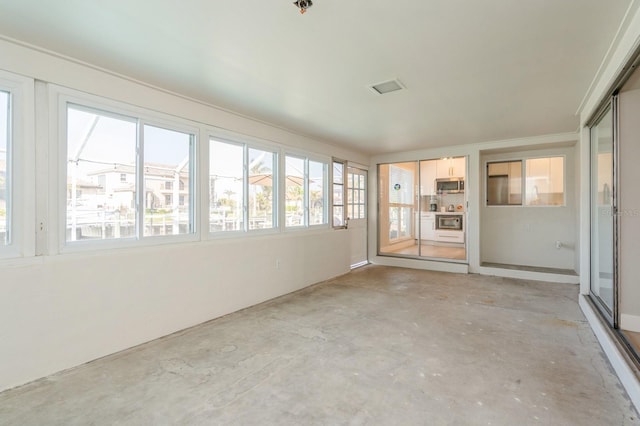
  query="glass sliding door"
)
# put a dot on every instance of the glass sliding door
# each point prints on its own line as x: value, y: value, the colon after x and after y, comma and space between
x: 397, y: 206
x: 603, y: 223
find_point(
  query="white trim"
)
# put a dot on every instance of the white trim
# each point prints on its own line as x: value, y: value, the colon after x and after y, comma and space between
x: 630, y: 322
x: 618, y: 360
x: 428, y: 265
x: 529, y: 275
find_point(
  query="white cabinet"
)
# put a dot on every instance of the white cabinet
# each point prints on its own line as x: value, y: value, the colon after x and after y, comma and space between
x: 428, y: 177
x: 428, y: 226
x: 451, y: 167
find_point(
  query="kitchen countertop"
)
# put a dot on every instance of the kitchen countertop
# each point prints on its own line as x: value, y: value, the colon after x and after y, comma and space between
x: 450, y: 213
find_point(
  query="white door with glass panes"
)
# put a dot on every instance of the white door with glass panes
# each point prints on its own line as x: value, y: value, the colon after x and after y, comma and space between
x: 357, y: 214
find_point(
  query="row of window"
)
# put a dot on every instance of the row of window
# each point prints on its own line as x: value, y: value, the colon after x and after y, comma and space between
x: 129, y: 177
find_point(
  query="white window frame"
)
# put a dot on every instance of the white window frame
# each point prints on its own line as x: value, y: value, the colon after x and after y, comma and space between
x: 524, y: 159
x: 247, y: 143
x: 307, y: 190
x: 21, y: 206
x: 60, y: 98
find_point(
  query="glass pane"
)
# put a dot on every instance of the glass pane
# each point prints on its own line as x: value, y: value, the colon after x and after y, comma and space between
x: 101, y: 149
x: 400, y: 185
x: 602, y: 211
x: 545, y: 181
x: 4, y: 175
x: 338, y: 196
x: 338, y: 170
x: 504, y: 183
x: 261, y: 189
x: 338, y: 214
x: 317, y: 185
x: 294, y: 191
x: 226, y: 196
x: 166, y: 179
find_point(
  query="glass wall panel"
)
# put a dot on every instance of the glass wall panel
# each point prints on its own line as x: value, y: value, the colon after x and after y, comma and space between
x: 602, y: 220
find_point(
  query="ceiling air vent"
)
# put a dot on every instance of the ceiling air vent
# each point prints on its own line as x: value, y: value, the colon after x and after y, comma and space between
x: 387, y: 87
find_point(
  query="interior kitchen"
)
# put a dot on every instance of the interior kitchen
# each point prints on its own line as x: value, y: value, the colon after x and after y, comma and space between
x: 422, y: 208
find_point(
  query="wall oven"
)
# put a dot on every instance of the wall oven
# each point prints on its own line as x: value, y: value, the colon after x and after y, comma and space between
x: 449, y: 222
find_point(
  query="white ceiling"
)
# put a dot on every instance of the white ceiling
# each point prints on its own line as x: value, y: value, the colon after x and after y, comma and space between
x: 474, y: 70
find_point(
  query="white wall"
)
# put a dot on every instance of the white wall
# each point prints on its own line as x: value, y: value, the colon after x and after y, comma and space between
x: 526, y: 235
x: 61, y: 310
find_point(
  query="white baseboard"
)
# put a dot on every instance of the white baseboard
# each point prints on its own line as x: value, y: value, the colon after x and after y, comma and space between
x: 630, y: 322
x: 618, y: 360
x: 528, y: 275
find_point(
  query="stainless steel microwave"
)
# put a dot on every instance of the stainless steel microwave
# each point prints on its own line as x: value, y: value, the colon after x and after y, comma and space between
x: 450, y: 185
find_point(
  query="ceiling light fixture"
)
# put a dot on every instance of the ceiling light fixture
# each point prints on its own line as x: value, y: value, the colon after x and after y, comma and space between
x: 303, y: 5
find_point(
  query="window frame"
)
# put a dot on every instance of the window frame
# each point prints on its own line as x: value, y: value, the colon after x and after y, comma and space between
x: 61, y: 99
x: 523, y: 183
x: 21, y: 198
x: 307, y: 158
x: 246, y: 143
x: 344, y: 204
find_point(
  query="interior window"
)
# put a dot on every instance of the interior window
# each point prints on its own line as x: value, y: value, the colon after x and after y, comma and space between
x: 504, y: 183
x: 545, y: 181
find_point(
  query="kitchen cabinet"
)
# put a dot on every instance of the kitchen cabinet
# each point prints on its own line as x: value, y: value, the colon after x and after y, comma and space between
x: 449, y: 236
x: 428, y: 173
x: 451, y: 167
x: 428, y: 226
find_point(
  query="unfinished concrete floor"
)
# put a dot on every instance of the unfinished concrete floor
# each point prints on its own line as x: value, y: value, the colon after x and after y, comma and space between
x: 378, y: 346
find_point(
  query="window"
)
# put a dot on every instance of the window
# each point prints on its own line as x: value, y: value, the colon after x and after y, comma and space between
x: 543, y: 183
x: 236, y: 203
x: 504, y: 183
x: 295, y: 191
x: 262, y: 189
x: 317, y: 192
x: 167, y: 155
x: 168, y: 185
x: 5, y: 176
x: 102, y: 151
x: 356, y: 193
x: 226, y: 188
x: 306, y: 182
x: 338, y: 194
